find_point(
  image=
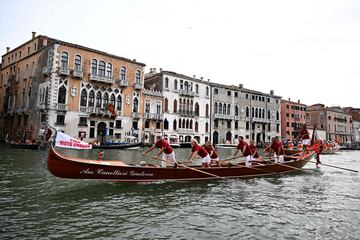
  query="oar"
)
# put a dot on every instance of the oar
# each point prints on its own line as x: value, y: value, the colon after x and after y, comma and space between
x: 328, y: 165
x: 295, y: 168
x: 184, y: 166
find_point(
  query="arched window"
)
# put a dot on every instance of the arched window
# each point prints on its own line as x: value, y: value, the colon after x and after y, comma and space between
x: 196, y: 127
x: 228, y: 109
x: 220, y: 108
x: 215, y: 107
x: 105, y: 101
x: 147, y: 107
x: 123, y: 73
x: 98, y: 99
x: 112, y: 100
x: 277, y: 115
x: 174, y: 124
x: 252, y: 112
x: 62, y: 95
x: 175, y: 106
x: 187, y: 124
x: 196, y: 89
x: 83, y: 98
x: 256, y: 112
x: 175, y: 84
x: 135, y: 105
x: 263, y: 113
x: 166, y: 124
x: 158, y: 109
x: 138, y: 76
x: 269, y: 115
x: 102, y: 68
x: 118, y: 103
x: 91, y: 98
x: 109, y: 70
x: 236, y: 110
x: 94, y: 66
x: 186, y: 85
x: 197, y: 110
x: 180, y: 123
x: 166, y: 83
x: 207, y: 110
x: 147, y: 124
x: 191, y: 122
x: 77, y: 64
x: 64, y: 60
x: 206, y: 127
x: 183, y: 123
x: 207, y: 91
x: 166, y: 103
x: 247, y: 112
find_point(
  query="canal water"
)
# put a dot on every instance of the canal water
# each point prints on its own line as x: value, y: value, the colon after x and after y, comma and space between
x: 36, y: 205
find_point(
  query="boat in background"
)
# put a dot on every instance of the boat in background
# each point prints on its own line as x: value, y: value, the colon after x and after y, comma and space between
x: 22, y: 145
x: 225, y: 145
x: 130, y: 143
x: 173, y: 140
x: 116, y: 170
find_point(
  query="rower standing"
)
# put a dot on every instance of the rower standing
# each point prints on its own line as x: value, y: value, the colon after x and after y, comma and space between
x: 254, y: 151
x: 245, y: 149
x: 305, y: 136
x: 214, y: 158
x: 197, y: 149
x: 166, y: 149
x: 278, y: 149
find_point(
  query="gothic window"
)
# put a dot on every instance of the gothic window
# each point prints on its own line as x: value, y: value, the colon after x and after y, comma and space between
x: 135, y: 105
x: 207, y: 110
x: 206, y: 127
x: 166, y: 124
x: 236, y: 110
x: 112, y: 100
x: 196, y: 127
x: 166, y: 107
x: 228, y: 109
x: 175, y: 106
x: 158, y: 109
x: 62, y: 95
x: 174, y: 124
x: 83, y: 99
x: 197, y: 110
x: 247, y: 112
x: 147, y: 107
x: 91, y: 100
x: 118, y: 103
x: 98, y: 99
x: 105, y: 101
x: 215, y: 107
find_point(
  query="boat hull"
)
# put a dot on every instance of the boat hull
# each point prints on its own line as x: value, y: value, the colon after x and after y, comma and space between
x: 75, y: 168
x: 119, y: 146
x: 24, y: 146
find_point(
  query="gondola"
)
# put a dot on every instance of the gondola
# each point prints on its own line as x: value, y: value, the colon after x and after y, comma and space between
x: 33, y: 146
x: 118, y: 145
x: 116, y: 170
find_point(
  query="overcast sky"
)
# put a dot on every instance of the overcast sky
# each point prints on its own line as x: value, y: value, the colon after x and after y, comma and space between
x: 307, y: 50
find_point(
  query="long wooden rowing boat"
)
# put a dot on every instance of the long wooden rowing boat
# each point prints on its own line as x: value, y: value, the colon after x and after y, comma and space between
x: 76, y: 168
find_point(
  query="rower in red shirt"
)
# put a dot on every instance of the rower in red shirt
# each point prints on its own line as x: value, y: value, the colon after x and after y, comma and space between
x: 199, y: 150
x: 278, y: 149
x: 245, y: 149
x: 254, y: 151
x: 165, y: 148
x: 305, y: 136
x: 214, y: 158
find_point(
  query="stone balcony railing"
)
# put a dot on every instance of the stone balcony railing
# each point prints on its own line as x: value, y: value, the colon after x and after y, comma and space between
x: 138, y: 86
x: 64, y: 71
x: 61, y: 107
x: 153, y: 116
x: 185, y: 131
x: 123, y: 83
x: 78, y: 73
x: 186, y: 93
x: 101, y: 78
x: 223, y: 116
x: 136, y: 115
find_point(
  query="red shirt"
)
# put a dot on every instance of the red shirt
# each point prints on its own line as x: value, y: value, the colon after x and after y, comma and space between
x: 277, y: 147
x: 201, y: 151
x: 305, y: 134
x: 210, y: 149
x: 162, y: 143
x: 241, y: 146
x: 253, y: 150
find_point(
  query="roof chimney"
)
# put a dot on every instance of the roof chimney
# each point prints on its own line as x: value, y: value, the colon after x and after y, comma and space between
x: 271, y: 92
x: 202, y: 78
x: 7, y: 49
x: 289, y: 99
x: 161, y: 69
x: 33, y: 35
x: 194, y: 76
x: 299, y: 101
x: 208, y: 79
x: 134, y: 60
x: 241, y: 85
x: 152, y: 70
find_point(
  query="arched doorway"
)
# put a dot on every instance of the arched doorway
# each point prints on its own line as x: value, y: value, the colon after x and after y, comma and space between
x: 215, y: 137
x: 228, y: 136
x: 101, y: 132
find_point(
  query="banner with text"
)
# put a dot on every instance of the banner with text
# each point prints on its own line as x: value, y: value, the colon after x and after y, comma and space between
x: 65, y: 141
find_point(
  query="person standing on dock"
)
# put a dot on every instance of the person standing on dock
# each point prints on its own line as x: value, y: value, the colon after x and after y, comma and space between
x: 278, y: 149
x: 199, y: 150
x: 245, y: 149
x: 165, y: 148
x: 214, y: 158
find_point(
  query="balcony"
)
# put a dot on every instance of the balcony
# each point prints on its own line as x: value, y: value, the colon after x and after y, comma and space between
x: 61, y: 107
x: 185, y: 131
x: 186, y: 93
x: 123, y: 83
x: 63, y: 71
x: 101, y: 78
x: 237, y: 118
x: 136, y: 115
x: 223, y: 116
x: 45, y: 71
x: 184, y: 113
x: 78, y: 73
x: 153, y: 116
x: 340, y: 119
x: 138, y: 86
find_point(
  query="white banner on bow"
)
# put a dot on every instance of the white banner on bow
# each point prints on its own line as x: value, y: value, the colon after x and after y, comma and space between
x: 65, y: 141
